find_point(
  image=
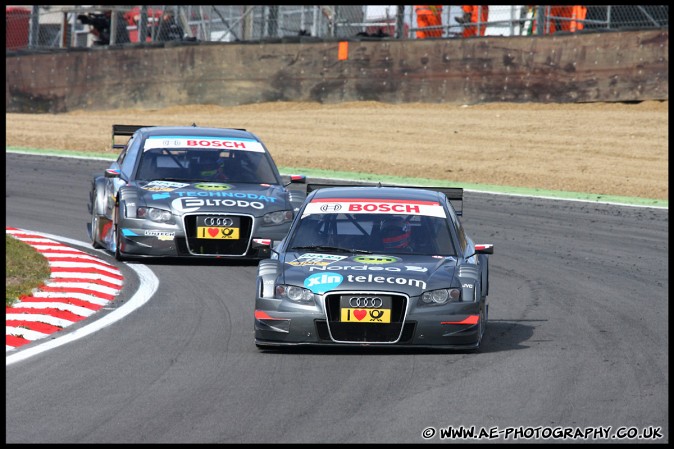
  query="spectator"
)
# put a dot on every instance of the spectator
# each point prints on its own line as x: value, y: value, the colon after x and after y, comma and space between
x: 474, y: 14
x: 573, y: 17
x: 428, y: 16
x: 169, y: 29
x: 100, y: 27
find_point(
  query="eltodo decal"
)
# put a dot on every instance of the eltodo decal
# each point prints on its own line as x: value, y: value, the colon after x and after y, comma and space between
x: 193, y: 204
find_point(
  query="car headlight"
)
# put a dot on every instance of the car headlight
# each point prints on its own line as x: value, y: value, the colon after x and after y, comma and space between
x: 294, y: 293
x: 154, y: 214
x: 441, y: 296
x: 277, y: 218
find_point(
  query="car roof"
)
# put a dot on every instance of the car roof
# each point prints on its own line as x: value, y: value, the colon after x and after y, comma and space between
x: 196, y: 131
x: 379, y: 192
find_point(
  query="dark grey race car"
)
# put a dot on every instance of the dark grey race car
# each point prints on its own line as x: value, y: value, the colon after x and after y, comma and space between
x: 375, y: 266
x: 189, y: 191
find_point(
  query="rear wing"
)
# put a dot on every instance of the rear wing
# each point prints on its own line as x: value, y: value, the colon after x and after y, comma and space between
x: 454, y: 194
x: 123, y: 131
x: 128, y: 130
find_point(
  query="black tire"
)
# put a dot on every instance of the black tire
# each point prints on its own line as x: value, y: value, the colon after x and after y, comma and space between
x: 482, y: 327
x: 117, y: 237
x: 94, y: 225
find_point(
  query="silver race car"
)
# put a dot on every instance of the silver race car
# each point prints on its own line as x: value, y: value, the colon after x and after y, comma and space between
x: 190, y: 192
x: 375, y: 266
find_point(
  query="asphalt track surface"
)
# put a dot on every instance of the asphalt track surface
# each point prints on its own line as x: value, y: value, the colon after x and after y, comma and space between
x: 577, y: 342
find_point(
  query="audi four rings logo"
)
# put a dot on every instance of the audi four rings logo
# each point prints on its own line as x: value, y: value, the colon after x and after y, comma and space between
x: 365, y: 301
x: 331, y: 207
x: 218, y: 221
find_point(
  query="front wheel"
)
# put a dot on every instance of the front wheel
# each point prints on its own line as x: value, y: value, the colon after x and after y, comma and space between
x: 481, y: 328
x: 116, y: 235
x: 95, y: 233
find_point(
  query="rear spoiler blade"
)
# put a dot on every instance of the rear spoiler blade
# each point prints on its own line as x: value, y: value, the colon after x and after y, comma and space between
x: 123, y: 130
x: 454, y: 194
x: 128, y: 130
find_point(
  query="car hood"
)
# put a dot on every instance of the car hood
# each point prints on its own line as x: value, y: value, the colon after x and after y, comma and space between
x: 412, y: 275
x: 184, y: 197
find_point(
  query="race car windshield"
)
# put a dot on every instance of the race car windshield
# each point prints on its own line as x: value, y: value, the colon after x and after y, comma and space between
x: 373, y: 233
x: 332, y: 248
x: 187, y: 164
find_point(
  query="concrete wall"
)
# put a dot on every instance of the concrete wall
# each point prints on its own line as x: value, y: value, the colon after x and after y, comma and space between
x: 607, y: 66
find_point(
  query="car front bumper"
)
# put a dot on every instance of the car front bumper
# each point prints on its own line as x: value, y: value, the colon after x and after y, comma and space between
x: 456, y: 327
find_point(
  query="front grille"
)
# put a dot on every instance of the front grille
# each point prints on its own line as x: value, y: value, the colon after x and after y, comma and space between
x: 221, y: 247
x: 365, y: 332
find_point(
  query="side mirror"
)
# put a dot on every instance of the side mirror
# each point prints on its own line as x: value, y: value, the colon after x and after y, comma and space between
x: 482, y: 248
x: 263, y: 247
x: 297, y: 179
x: 112, y: 173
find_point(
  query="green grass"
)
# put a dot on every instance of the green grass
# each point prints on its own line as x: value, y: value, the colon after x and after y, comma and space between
x: 26, y: 269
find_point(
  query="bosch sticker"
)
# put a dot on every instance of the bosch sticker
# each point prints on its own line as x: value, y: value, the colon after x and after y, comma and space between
x: 218, y: 143
x: 374, y: 206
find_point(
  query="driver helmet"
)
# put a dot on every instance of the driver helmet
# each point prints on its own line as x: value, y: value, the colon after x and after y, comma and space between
x: 395, y: 233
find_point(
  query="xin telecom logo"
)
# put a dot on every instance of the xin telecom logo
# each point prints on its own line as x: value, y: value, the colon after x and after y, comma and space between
x: 322, y: 282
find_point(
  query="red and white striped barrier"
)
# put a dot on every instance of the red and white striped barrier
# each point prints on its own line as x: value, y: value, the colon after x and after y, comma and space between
x: 79, y: 285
